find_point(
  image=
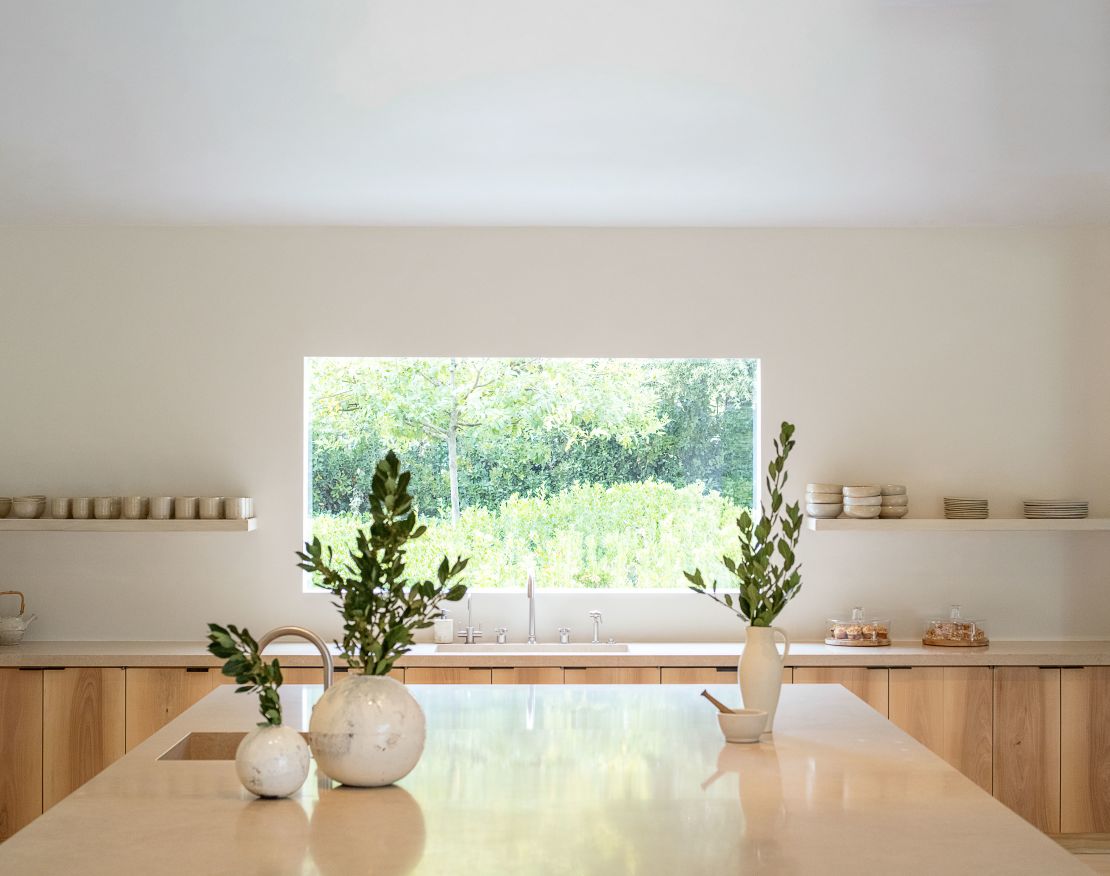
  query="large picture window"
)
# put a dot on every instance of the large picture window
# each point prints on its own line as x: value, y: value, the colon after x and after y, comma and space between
x: 597, y: 473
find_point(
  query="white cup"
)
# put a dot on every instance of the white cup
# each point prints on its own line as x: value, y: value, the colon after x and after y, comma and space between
x: 161, y: 507
x: 106, y: 507
x: 59, y: 508
x: 134, y: 507
x: 185, y: 507
x: 238, y: 508
x: 82, y: 509
x: 210, y: 508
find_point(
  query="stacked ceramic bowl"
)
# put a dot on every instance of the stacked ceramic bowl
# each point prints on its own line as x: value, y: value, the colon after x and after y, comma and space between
x: 1056, y: 509
x: 863, y: 502
x: 965, y: 509
x: 28, y: 507
x: 895, y: 504
x: 824, y: 500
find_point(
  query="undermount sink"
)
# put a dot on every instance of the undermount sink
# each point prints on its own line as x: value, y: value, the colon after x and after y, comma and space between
x: 207, y: 746
x: 521, y: 648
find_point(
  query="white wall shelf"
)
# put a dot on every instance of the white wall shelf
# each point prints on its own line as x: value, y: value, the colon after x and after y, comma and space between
x: 9, y: 524
x: 991, y: 524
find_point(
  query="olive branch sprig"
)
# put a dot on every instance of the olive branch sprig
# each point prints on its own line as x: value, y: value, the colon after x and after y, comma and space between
x: 246, y: 666
x: 768, y: 575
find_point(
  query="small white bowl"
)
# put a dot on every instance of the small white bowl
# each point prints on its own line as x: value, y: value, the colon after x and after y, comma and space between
x: 742, y: 725
x: 896, y: 500
x: 894, y: 490
x: 862, y: 512
x: 893, y: 512
x: 863, y: 491
x: 823, y: 488
x: 863, y: 500
x: 823, y: 512
x: 28, y: 507
x: 824, y: 498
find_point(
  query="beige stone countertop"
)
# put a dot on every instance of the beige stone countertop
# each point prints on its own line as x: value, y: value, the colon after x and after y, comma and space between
x: 555, y: 780
x: 1078, y: 653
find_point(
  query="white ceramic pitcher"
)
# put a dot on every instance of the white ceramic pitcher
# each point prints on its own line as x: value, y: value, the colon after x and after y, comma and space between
x: 761, y: 668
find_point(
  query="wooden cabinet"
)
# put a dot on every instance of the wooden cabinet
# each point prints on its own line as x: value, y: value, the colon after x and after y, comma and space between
x: 949, y: 710
x: 529, y: 675
x: 83, y: 727
x: 157, y: 696
x: 20, y: 748
x: 870, y: 685
x: 1085, y: 750
x: 447, y: 675
x: 1027, y: 743
x: 612, y: 675
x: 708, y: 675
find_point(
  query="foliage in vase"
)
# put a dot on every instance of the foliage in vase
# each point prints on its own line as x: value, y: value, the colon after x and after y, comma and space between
x: 246, y: 666
x: 766, y: 571
x: 381, y: 606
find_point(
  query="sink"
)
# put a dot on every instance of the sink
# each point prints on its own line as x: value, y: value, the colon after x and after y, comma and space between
x: 521, y: 648
x: 207, y: 746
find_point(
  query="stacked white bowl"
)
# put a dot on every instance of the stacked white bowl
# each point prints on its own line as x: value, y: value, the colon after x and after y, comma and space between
x: 863, y: 502
x: 895, y: 504
x: 28, y: 507
x: 824, y: 500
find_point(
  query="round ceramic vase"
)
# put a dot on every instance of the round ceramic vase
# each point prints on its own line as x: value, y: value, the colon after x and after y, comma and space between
x: 272, y: 761
x: 367, y: 731
x: 761, y: 671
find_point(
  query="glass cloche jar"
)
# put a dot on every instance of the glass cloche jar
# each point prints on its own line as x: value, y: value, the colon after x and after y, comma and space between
x: 858, y: 632
x: 955, y: 631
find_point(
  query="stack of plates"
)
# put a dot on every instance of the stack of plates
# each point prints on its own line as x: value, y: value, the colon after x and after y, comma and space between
x: 1055, y: 509
x: 965, y: 509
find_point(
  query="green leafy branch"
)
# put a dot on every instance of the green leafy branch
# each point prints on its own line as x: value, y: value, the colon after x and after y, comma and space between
x: 767, y: 574
x: 246, y: 666
x: 381, y: 607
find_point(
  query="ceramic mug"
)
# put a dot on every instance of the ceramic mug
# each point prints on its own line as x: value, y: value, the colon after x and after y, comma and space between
x: 161, y: 507
x: 60, y: 508
x: 135, y: 507
x: 106, y: 507
x: 82, y: 509
x: 210, y: 507
x: 185, y: 507
x: 238, y: 508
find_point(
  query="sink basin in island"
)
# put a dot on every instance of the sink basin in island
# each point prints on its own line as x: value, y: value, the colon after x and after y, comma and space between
x: 207, y: 746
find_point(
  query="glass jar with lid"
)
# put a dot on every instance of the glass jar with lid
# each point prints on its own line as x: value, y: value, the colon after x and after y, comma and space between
x: 858, y: 632
x: 955, y: 631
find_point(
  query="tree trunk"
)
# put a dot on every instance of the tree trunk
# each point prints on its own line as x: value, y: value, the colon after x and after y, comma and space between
x: 453, y: 450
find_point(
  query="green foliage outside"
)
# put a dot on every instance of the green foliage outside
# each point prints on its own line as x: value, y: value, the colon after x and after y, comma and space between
x: 605, y: 473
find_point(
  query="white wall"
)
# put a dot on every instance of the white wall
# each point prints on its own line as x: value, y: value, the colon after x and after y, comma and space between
x: 165, y: 361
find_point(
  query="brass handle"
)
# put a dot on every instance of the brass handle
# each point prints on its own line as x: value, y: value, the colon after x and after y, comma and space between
x: 22, y: 601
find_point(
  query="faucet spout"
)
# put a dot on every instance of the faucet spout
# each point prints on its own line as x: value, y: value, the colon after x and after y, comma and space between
x: 307, y: 635
x: 531, y: 591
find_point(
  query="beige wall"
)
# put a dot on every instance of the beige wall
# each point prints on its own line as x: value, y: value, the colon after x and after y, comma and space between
x: 163, y: 361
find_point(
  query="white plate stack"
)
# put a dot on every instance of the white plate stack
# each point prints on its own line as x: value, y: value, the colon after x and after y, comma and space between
x: 1056, y: 509
x: 824, y: 500
x: 896, y: 504
x: 863, y: 502
x: 965, y: 509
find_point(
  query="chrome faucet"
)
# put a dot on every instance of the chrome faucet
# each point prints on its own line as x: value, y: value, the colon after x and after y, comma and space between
x: 307, y: 635
x: 595, y: 616
x: 469, y: 634
x: 530, y: 589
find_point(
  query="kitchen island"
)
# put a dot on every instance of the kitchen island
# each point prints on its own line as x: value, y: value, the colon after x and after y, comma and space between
x: 557, y: 779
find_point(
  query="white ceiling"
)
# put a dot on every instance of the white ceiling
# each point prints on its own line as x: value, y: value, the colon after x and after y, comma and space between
x: 592, y: 112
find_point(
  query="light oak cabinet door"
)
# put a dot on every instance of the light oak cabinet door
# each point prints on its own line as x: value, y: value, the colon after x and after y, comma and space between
x: 428, y: 675
x: 870, y: 685
x: 1085, y: 750
x: 612, y: 675
x: 157, y: 696
x: 1027, y: 743
x: 83, y: 727
x: 709, y: 675
x: 529, y: 675
x: 950, y: 711
x: 20, y: 748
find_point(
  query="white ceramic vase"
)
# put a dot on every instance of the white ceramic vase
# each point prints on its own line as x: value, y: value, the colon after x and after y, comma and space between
x: 272, y: 761
x: 761, y: 671
x: 367, y: 731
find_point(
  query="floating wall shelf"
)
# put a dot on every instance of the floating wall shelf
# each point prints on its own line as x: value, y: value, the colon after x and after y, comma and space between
x: 9, y: 524
x: 991, y: 524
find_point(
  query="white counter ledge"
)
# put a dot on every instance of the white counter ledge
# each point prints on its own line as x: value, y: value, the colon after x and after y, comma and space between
x: 574, y: 780
x: 1075, y: 653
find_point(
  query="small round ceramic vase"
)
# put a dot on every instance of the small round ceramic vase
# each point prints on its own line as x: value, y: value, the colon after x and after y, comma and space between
x: 272, y: 761
x: 367, y: 731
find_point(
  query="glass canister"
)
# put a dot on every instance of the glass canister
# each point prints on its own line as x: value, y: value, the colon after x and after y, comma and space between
x: 858, y: 632
x: 955, y: 631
